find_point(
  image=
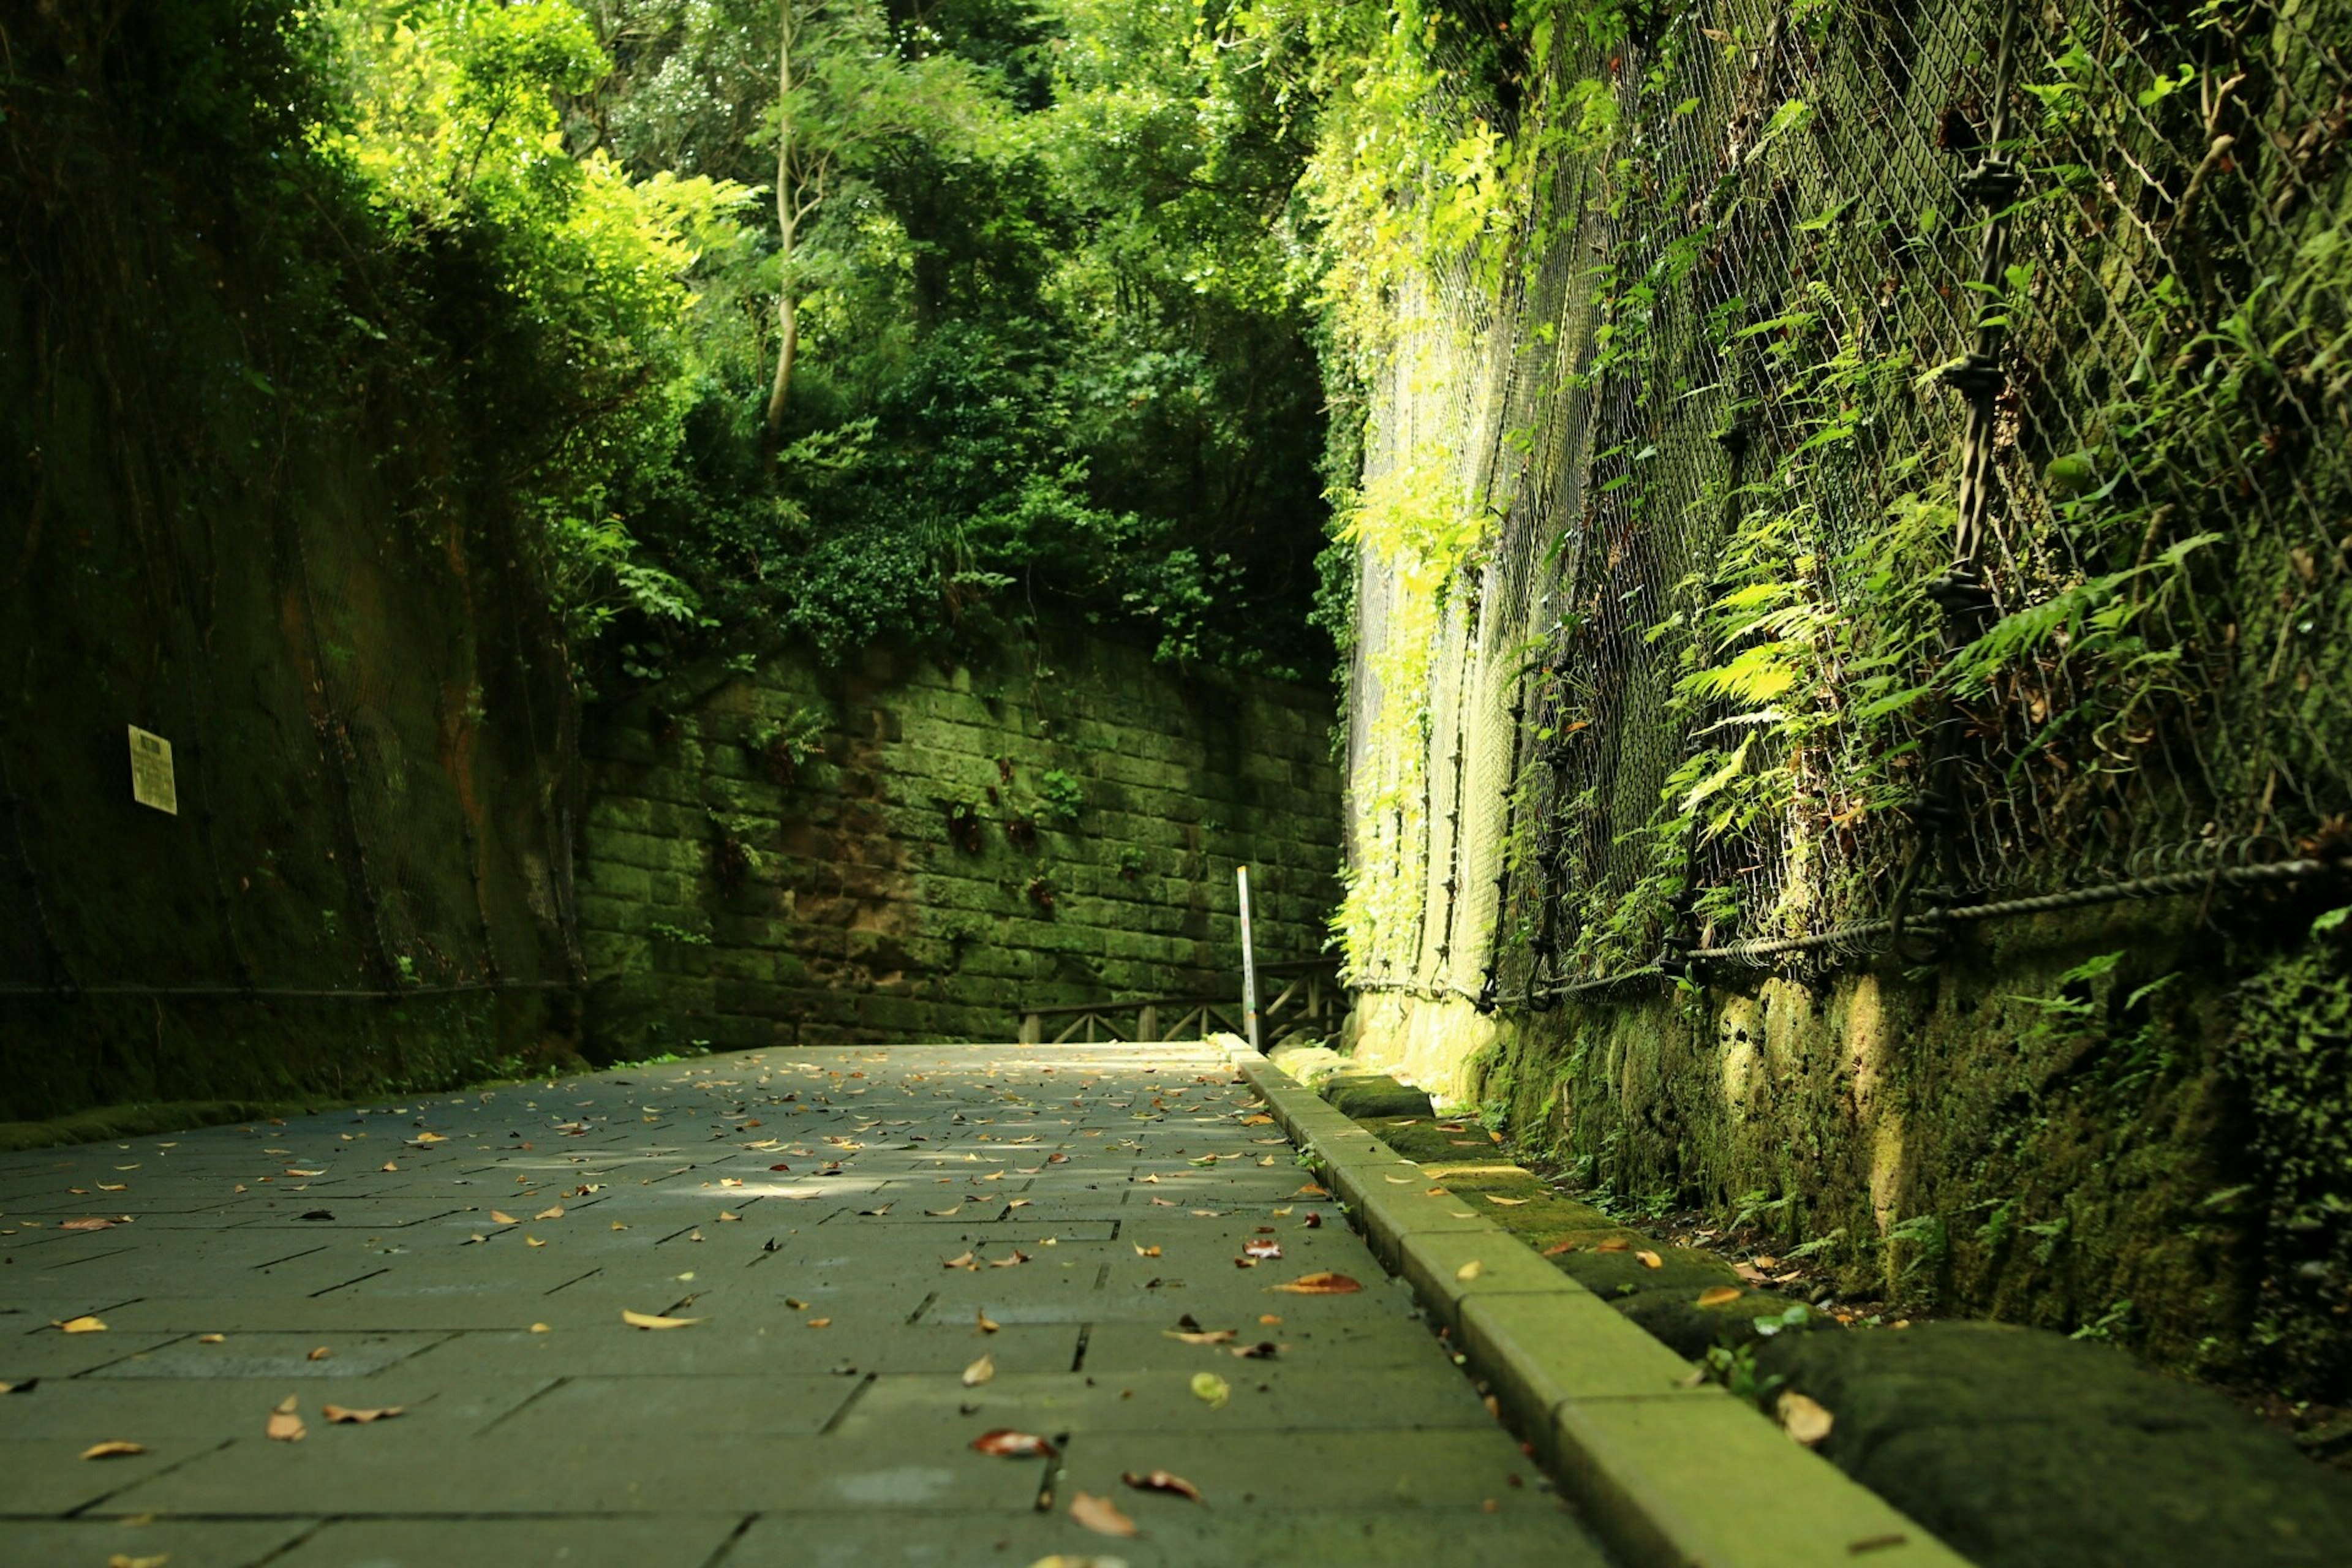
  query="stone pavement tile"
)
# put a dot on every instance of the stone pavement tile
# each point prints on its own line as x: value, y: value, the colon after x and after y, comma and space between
x: 52, y: 1354
x: 1175, y: 1534
x: 748, y: 1404
x: 672, y: 1542
x: 185, y: 1543
x: 341, y: 1311
x: 382, y: 1470
x: 719, y: 1348
x: 1262, y: 1397
x: 48, y: 1476
x: 1364, y: 1346
x: 274, y: 1356
x: 212, y: 1410
x: 1452, y: 1467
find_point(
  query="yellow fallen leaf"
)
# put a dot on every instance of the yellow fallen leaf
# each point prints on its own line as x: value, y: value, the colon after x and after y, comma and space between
x: 124, y: 1559
x: 820, y: 1323
x: 1716, y: 1295
x: 114, y: 1186
x: 1100, y: 1515
x: 986, y: 1324
x: 285, y: 1425
x: 532, y: 1241
x: 1322, y: 1283
x: 1613, y: 1244
x: 1651, y: 1260
x: 82, y: 1325
x: 1507, y: 1203
x: 540, y: 1329
x: 212, y: 1339
x: 655, y: 1320
x: 117, y: 1449
x: 387, y: 1165
x: 321, y: 1353
x: 499, y: 1216
x: 1469, y: 1271
x: 979, y: 1371
x: 1803, y: 1418
x: 345, y: 1416
x: 1210, y: 1389
x: 725, y: 1218
x: 1146, y: 1251
x: 555, y: 1213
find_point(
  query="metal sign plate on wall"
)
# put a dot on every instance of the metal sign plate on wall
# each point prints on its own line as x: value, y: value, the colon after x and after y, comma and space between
x: 152, y: 782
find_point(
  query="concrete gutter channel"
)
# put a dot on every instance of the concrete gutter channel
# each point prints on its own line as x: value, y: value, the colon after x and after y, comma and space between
x: 1669, y: 1473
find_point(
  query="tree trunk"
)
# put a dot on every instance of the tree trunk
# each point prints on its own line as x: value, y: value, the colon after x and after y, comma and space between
x: 788, y: 315
x: 788, y: 340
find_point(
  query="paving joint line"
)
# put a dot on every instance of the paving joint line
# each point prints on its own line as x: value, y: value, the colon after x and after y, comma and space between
x: 1668, y: 1473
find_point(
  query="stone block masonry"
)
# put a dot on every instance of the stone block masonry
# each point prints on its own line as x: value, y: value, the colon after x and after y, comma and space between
x: 917, y: 849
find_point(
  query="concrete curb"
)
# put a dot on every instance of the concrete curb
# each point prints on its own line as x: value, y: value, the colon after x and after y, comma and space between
x: 1671, y: 1476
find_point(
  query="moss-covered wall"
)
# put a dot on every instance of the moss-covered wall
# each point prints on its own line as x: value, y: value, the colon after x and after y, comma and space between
x: 951, y: 843
x: 2130, y: 1124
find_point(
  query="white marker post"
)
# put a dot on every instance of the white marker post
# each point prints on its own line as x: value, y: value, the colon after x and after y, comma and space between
x: 1249, y: 966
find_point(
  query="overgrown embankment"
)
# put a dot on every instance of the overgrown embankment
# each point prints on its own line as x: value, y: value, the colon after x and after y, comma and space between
x: 255, y: 508
x: 1848, y: 700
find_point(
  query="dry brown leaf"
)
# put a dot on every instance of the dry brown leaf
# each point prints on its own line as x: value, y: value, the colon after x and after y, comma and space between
x: 1100, y: 1515
x: 984, y: 1323
x: 117, y: 1449
x: 1613, y: 1244
x: 540, y: 1329
x: 1205, y: 1337
x: 945, y: 1214
x: 1257, y: 1120
x: 1017, y: 1257
x: 1269, y: 1319
x: 124, y: 1559
x: 1507, y: 1203
x: 1717, y: 1295
x: 343, y: 1415
x: 499, y: 1216
x: 979, y: 1371
x: 820, y: 1323
x: 1803, y: 1418
x: 387, y: 1165
x: 1321, y: 1283
x: 90, y: 1223
x: 1437, y: 1193
x: 82, y: 1325
x: 1008, y: 1443
x: 1311, y: 1191
x: 1557, y: 1248
x: 555, y: 1213
x: 212, y: 1339
x: 1261, y: 1249
x: 1147, y: 1251
x: 285, y: 1425
x: 654, y: 1321
x: 1469, y: 1271
x: 532, y: 1241
x: 1651, y: 1259
x: 293, y: 1171
x: 321, y: 1353
x: 1163, y: 1481
x: 963, y: 1260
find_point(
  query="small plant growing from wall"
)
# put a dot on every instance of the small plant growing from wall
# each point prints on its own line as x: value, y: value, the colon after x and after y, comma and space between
x: 1130, y: 863
x: 1060, y: 796
x: 1041, y: 893
x: 1021, y: 832
x: 783, y: 746
x: 963, y: 826
x: 733, y: 858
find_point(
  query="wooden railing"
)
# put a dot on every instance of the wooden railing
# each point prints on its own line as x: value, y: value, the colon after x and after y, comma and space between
x: 1307, y: 1000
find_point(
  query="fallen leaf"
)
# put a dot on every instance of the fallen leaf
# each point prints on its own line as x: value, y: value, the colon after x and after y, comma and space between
x: 1163, y: 1481
x: 1651, y: 1260
x: 1507, y: 1203
x: 1210, y: 1389
x: 1469, y: 1271
x: 820, y: 1323
x: 26, y: 1386
x: 82, y: 1325
x: 1010, y: 1444
x: 124, y: 1559
x: 979, y: 1371
x: 654, y: 1321
x: 1613, y: 1244
x: 387, y: 1165
x: 92, y: 1223
x: 498, y: 1216
x: 1146, y: 1252
x: 1100, y: 1515
x: 1322, y: 1283
x: 1017, y: 1257
x: 555, y: 1213
x: 426, y: 1140
x: 1311, y: 1191
x: 540, y: 1329
x: 963, y: 1260
x: 1716, y: 1295
x: 1257, y: 1120
x: 532, y: 1241
x: 212, y: 1339
x: 343, y: 1415
x: 1803, y: 1418
x: 945, y: 1214
x: 293, y: 1171
x: 285, y: 1425
x: 1557, y: 1248
x: 1262, y: 1248
x: 1269, y: 1320
x: 984, y: 1323
x: 1204, y: 1337
x: 321, y: 1353
x: 1265, y: 1350
x: 125, y: 1186
x: 117, y: 1449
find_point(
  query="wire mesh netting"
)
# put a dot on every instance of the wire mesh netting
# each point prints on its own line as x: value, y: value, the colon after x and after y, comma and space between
x: 1915, y: 449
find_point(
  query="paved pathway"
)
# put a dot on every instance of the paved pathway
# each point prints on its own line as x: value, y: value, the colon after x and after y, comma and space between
x: 469, y: 1259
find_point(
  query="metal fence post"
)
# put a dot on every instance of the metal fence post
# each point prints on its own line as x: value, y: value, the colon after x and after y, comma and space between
x: 1249, y: 965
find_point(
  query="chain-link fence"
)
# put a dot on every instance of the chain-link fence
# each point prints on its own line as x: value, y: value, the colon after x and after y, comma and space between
x: 1919, y: 447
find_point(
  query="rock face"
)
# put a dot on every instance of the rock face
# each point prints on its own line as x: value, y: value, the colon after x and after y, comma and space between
x: 2024, y: 1449
x: 902, y: 850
